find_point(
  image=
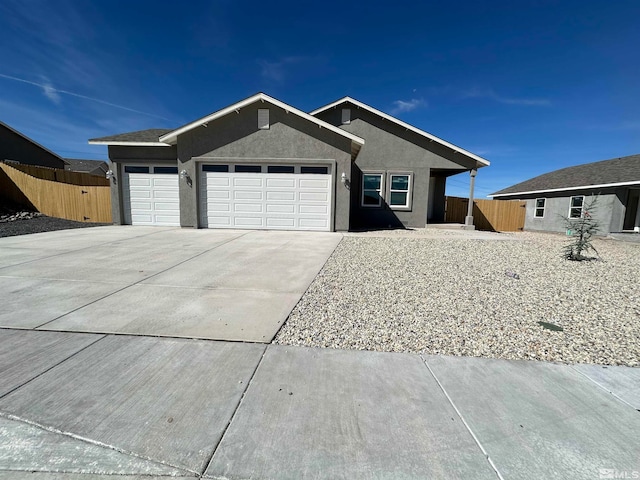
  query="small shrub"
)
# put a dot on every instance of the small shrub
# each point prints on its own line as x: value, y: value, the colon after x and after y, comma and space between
x: 582, y: 230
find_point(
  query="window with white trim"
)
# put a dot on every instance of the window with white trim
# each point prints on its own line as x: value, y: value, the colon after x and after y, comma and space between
x: 540, y: 206
x: 346, y: 116
x: 399, y: 190
x: 576, y: 206
x: 372, y: 184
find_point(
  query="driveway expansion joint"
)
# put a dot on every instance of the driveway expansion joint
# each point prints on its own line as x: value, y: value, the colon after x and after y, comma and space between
x: 141, y: 280
x: 96, y: 443
x: 101, y: 337
x: 464, y: 422
x: 604, y: 388
x: 235, y: 411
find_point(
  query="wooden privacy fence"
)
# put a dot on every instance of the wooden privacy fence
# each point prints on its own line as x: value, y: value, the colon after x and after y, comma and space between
x: 491, y: 215
x: 63, y: 176
x: 83, y: 203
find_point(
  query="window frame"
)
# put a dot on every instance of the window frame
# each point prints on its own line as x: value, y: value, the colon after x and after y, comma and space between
x: 409, y: 191
x: 536, y: 207
x: 571, y: 207
x: 380, y: 191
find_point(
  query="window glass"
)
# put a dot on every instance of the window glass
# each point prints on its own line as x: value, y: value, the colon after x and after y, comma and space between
x: 398, y: 198
x: 371, y: 198
x: 280, y: 169
x: 165, y: 170
x: 248, y: 168
x: 540, y: 203
x: 134, y: 169
x: 215, y: 168
x: 399, y: 182
x: 317, y: 170
x: 372, y: 181
x: 371, y: 189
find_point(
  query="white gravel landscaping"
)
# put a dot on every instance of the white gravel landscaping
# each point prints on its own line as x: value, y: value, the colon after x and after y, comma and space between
x: 440, y: 292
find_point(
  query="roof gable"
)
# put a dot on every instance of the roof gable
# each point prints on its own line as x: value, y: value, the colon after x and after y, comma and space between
x: 171, y: 137
x: 481, y: 161
x: 606, y: 173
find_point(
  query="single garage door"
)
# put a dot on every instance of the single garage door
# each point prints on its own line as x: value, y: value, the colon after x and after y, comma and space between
x: 263, y: 196
x: 151, y: 195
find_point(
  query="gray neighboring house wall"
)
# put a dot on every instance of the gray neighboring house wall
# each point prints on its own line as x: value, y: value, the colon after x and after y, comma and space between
x: 16, y: 147
x: 550, y: 196
x: 371, y: 143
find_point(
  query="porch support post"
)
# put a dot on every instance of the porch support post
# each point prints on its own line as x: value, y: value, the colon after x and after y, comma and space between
x: 468, y: 221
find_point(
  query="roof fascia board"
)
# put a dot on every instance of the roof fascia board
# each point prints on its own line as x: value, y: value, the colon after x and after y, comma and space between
x: 564, y: 189
x: 130, y: 144
x: 171, y: 136
x: 475, y: 157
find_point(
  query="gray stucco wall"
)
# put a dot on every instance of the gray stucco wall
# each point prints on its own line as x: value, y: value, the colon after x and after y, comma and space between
x: 15, y: 147
x: 391, y: 148
x: 609, y: 212
x: 121, y: 155
x: 236, y: 137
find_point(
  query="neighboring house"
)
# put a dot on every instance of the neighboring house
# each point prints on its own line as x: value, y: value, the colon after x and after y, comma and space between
x: 555, y: 196
x: 93, y: 167
x: 263, y: 164
x: 16, y: 147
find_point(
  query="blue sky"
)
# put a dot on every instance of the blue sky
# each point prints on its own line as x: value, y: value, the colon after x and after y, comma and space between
x: 531, y: 86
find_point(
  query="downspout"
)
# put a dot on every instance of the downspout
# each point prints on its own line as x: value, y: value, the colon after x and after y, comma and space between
x: 468, y: 221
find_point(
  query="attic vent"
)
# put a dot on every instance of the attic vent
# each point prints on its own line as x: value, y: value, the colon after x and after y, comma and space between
x: 346, y: 116
x: 263, y: 118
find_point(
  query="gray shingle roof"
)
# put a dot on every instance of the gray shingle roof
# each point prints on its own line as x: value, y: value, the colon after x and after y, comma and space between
x: 617, y: 170
x: 150, y: 135
x: 83, y: 165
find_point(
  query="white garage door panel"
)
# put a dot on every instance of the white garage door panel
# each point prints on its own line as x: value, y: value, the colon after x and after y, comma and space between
x: 151, y: 199
x: 285, y: 201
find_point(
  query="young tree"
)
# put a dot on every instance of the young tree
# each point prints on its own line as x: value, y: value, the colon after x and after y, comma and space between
x: 582, y: 229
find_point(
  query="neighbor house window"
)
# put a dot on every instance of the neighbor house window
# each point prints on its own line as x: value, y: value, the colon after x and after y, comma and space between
x: 575, y: 209
x: 263, y: 118
x: 540, y: 204
x: 371, y: 189
x: 399, y: 190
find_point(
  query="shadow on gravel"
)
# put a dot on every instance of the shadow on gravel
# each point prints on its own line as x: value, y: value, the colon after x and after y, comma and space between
x: 41, y: 224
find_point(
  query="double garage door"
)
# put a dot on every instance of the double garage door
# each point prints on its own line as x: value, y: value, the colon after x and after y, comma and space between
x: 263, y: 196
x: 239, y: 196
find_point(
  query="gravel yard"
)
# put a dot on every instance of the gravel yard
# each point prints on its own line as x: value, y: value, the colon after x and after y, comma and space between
x: 441, y: 293
x: 16, y: 222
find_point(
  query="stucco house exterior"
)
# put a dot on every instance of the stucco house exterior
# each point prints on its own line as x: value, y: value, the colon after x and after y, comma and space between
x: 555, y: 196
x: 18, y: 148
x: 263, y: 164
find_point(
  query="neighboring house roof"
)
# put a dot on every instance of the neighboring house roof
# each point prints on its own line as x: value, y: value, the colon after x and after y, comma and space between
x: 483, y: 162
x: 607, y: 173
x: 142, y: 138
x: 4, y: 125
x: 95, y: 167
x: 171, y: 137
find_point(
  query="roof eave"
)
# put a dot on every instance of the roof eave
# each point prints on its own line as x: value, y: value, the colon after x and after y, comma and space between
x: 482, y: 161
x: 565, y: 189
x: 171, y: 137
x: 128, y: 144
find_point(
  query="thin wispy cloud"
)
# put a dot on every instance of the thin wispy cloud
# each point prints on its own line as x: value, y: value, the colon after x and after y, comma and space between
x: 276, y: 70
x: 492, y: 95
x: 402, y: 106
x: 54, y: 95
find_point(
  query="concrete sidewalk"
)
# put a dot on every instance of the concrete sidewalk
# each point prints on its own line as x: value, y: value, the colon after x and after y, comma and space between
x: 77, y: 406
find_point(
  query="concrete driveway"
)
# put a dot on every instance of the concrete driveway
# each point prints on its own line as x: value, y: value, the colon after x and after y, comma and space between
x: 209, y: 284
